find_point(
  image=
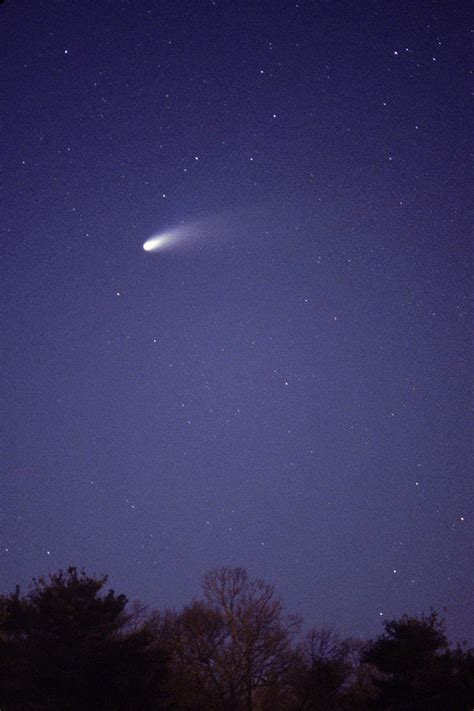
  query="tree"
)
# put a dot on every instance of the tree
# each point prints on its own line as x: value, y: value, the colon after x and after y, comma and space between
x: 194, y: 639
x: 321, y: 667
x: 229, y: 645
x: 65, y: 645
x: 419, y: 671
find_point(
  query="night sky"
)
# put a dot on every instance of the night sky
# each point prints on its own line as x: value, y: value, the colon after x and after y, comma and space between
x: 283, y: 384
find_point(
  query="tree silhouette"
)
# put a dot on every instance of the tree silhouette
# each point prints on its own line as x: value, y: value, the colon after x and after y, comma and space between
x: 321, y: 667
x: 419, y: 671
x: 229, y: 645
x: 65, y: 646
x: 68, y: 644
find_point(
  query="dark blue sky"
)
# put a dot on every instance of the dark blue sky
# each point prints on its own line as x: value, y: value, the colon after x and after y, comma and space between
x: 287, y: 389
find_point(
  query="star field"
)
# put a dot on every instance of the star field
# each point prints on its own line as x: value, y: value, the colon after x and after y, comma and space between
x: 283, y: 384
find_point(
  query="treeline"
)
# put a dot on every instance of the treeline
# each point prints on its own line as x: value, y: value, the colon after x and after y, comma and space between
x: 70, y: 645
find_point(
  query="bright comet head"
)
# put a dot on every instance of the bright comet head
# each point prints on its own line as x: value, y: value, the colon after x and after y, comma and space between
x: 155, y: 243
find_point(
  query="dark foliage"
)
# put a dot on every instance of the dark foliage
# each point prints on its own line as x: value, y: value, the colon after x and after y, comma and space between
x: 65, y: 646
x: 69, y: 645
x: 418, y: 670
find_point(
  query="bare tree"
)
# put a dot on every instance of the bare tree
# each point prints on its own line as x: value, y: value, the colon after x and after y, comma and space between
x: 228, y: 646
x: 257, y: 643
x: 320, y: 670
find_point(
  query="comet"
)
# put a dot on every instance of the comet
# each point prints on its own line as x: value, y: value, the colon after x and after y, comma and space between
x: 157, y: 243
x: 171, y: 239
x: 211, y: 231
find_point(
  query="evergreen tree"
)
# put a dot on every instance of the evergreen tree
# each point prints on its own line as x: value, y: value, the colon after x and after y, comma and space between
x: 65, y: 645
